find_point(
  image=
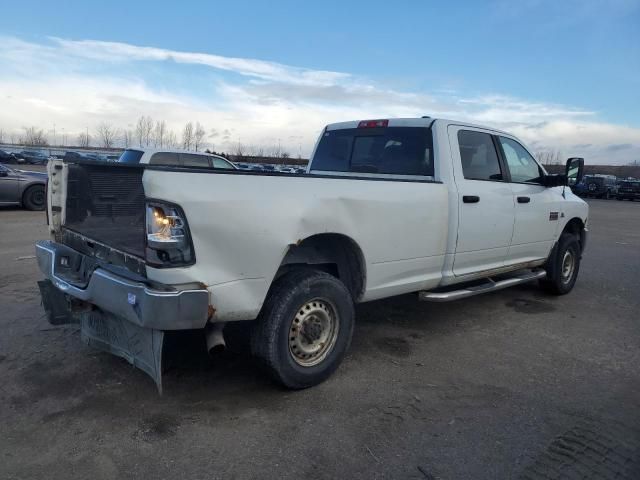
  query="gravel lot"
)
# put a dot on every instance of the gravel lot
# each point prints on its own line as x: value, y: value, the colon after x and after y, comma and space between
x: 514, y: 384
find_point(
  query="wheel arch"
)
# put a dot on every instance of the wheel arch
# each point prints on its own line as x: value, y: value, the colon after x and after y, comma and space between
x: 334, y: 253
x: 576, y: 226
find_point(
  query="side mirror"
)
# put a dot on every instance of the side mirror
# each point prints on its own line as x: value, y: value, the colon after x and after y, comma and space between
x: 574, y: 170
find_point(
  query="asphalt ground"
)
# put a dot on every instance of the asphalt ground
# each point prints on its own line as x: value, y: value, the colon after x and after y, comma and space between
x: 513, y: 384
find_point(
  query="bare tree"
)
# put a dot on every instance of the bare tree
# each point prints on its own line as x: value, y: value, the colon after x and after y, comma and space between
x: 256, y: 151
x: 127, y: 138
x: 198, y: 135
x: 140, y: 130
x: 84, y: 140
x: 144, y: 130
x: 160, y: 133
x: 171, y: 140
x: 239, y: 150
x: 187, y: 136
x: 35, y: 137
x: 551, y: 156
x: 106, y: 134
x: 1, y: 136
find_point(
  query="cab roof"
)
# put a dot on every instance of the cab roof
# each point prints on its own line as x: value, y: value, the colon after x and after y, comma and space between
x: 410, y: 122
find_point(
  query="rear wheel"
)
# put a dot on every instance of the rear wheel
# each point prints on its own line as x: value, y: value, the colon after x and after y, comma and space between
x: 304, y: 329
x: 563, y: 266
x: 34, y: 198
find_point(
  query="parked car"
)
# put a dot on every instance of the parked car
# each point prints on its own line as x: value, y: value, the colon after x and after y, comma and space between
x: 600, y: 186
x: 8, y: 157
x: 34, y: 157
x: 178, y: 158
x: 629, y: 190
x: 19, y: 187
x: 440, y: 208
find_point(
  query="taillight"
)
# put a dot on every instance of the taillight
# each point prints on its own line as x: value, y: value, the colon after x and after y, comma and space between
x: 168, y: 241
x: 373, y: 123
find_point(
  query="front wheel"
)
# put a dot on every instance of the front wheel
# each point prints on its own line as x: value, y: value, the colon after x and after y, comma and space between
x: 304, y: 328
x: 563, y: 266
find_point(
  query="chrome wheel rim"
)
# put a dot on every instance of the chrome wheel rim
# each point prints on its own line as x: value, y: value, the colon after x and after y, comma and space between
x: 313, y: 332
x: 568, y: 265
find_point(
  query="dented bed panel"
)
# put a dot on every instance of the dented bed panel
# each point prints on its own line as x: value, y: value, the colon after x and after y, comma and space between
x: 242, y: 226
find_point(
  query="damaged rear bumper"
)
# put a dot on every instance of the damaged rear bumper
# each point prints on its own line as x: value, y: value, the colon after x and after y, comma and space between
x: 160, y: 309
x: 116, y: 314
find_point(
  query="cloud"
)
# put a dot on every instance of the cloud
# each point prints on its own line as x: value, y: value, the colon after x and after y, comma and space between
x: 123, y: 52
x: 619, y: 146
x: 76, y: 84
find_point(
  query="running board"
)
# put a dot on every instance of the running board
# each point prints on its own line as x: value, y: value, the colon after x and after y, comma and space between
x: 489, y: 286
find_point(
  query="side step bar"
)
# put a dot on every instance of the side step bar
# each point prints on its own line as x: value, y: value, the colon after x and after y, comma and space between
x: 489, y: 286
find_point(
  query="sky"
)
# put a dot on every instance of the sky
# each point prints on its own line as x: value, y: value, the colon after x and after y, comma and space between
x: 563, y: 76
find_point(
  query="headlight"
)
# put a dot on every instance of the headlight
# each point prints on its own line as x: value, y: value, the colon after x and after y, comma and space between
x: 168, y: 239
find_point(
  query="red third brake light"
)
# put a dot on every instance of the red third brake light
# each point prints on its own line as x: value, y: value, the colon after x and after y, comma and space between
x: 373, y: 123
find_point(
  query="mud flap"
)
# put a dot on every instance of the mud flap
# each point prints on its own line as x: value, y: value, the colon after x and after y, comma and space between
x: 141, y: 347
x: 56, y: 305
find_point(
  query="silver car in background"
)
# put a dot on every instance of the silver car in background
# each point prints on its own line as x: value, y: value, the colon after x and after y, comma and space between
x: 23, y: 188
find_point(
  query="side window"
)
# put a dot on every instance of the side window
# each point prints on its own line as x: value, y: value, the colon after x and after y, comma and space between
x: 164, y: 158
x: 194, y: 160
x: 522, y: 167
x: 221, y: 163
x: 478, y: 155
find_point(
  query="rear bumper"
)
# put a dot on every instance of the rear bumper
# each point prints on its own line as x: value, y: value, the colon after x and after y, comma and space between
x: 136, y: 302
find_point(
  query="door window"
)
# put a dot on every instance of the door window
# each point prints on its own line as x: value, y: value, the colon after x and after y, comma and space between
x: 522, y: 167
x: 194, y: 160
x: 478, y: 155
x: 221, y: 163
x: 164, y: 158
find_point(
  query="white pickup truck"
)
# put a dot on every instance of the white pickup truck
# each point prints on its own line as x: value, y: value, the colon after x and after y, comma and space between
x: 441, y: 208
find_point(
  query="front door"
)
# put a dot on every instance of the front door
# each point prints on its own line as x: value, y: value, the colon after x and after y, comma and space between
x: 537, y: 207
x: 8, y: 185
x: 485, y: 202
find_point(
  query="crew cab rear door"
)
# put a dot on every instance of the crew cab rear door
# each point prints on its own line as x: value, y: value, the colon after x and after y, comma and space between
x: 485, y: 201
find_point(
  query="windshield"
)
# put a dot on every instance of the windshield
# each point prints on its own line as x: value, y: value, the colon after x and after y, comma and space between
x: 389, y: 150
x: 130, y: 156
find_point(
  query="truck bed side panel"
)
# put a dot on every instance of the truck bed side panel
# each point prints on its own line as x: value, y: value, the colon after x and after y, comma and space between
x: 243, y: 225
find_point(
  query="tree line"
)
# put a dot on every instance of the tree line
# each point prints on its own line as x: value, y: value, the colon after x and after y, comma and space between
x: 147, y: 132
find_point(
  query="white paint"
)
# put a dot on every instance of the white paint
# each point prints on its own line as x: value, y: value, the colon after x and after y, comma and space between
x: 413, y: 235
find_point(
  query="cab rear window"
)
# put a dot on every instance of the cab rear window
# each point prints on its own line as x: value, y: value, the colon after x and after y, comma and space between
x: 385, y: 150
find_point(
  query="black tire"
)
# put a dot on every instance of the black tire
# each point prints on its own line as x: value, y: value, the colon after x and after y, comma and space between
x: 558, y: 281
x: 281, y: 329
x: 34, y: 198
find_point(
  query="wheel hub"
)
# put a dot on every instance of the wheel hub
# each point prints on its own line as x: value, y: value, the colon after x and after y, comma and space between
x: 568, y: 265
x: 313, y: 332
